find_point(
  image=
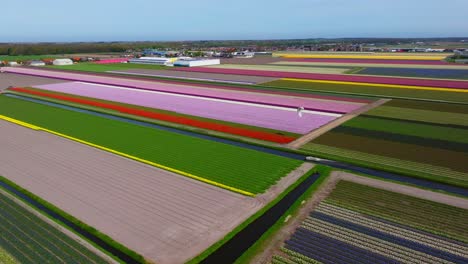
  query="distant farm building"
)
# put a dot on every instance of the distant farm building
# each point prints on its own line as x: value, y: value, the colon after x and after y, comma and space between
x: 196, y: 62
x: 61, y: 62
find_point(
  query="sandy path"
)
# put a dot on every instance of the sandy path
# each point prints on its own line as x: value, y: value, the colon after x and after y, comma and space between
x: 165, y: 217
x: 335, y: 123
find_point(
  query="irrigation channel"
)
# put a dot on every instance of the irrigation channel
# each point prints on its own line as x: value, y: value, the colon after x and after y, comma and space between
x: 243, y: 240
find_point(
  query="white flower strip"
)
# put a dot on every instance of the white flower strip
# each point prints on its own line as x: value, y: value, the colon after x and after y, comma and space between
x: 410, y: 235
x: 370, y: 243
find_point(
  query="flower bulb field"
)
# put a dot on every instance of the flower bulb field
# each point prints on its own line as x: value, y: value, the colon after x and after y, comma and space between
x: 295, y: 157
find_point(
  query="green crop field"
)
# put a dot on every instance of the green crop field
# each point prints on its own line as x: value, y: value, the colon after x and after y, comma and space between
x: 247, y: 170
x: 267, y: 67
x: 93, y: 67
x: 25, y: 238
x: 372, y: 90
x: 423, y: 214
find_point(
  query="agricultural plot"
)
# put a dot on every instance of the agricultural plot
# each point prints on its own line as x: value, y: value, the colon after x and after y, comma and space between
x: 371, y: 56
x: 283, y: 68
x: 25, y: 238
x: 423, y: 143
x: 381, y: 80
x: 419, y: 73
x: 373, y: 90
x: 362, y: 224
x: 367, y: 61
x: 208, y: 90
x: 213, y: 77
x: 26, y: 57
x: 259, y: 115
x: 242, y: 169
x: 167, y: 118
x: 371, y: 63
x: 163, y: 216
x: 8, y: 79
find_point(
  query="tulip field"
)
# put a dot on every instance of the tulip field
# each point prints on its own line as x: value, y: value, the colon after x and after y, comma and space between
x: 242, y: 169
x: 25, y: 238
x: 405, y: 136
x: 461, y: 74
x: 361, y: 224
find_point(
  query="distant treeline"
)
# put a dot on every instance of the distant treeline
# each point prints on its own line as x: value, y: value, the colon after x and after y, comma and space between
x: 13, y: 49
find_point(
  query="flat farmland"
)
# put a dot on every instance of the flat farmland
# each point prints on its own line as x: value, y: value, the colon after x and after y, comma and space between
x: 461, y: 74
x: 375, y: 90
x: 252, y: 114
x: 9, y: 79
x: 26, y: 238
x: 229, y: 78
x: 283, y: 68
x: 246, y: 170
x: 363, y: 221
x: 94, y: 67
x: 406, y: 136
x: 163, y: 216
x: 371, y: 63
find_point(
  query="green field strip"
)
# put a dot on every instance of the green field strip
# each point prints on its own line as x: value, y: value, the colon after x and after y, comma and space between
x: 6, y: 258
x: 423, y: 214
x: 27, y: 238
x: 372, y: 91
x: 240, y: 168
x: 268, y: 67
x: 27, y: 57
x: 427, y: 116
x: 393, y: 164
x: 430, y: 106
x: 410, y: 129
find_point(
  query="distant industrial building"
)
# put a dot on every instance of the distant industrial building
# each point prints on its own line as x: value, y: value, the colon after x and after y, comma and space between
x: 153, y: 60
x: 196, y: 62
x: 62, y: 62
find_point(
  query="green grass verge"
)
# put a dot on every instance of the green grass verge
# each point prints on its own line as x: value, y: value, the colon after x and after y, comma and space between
x: 236, y: 167
x: 293, y: 211
x: 214, y: 247
x: 93, y: 67
x: 437, y: 218
x: 75, y: 221
x: 362, y: 90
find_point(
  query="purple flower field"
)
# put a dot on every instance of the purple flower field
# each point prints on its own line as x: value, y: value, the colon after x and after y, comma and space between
x: 324, y: 105
x: 244, y: 113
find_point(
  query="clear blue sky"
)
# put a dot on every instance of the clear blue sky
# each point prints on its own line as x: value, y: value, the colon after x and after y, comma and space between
x: 109, y: 20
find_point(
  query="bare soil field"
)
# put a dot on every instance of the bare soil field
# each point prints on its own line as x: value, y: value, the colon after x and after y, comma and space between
x: 200, y: 76
x: 10, y: 79
x: 165, y: 217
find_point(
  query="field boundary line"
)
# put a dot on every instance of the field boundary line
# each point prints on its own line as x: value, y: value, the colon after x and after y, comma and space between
x: 186, y: 174
x: 379, y: 85
x: 335, y: 123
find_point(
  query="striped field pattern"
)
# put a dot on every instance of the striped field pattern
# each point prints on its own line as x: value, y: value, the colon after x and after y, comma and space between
x: 343, y: 230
